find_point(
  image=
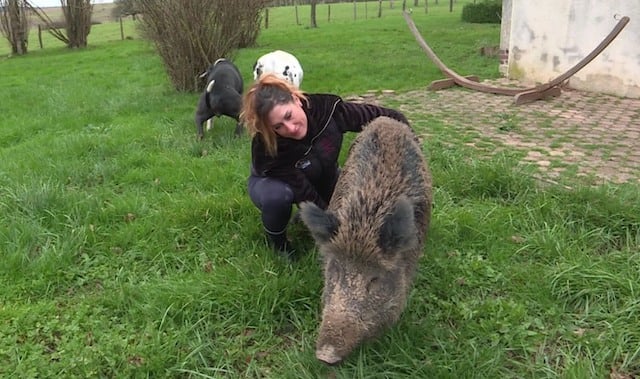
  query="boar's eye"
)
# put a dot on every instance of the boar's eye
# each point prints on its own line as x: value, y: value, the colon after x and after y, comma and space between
x: 334, y: 271
x: 374, y: 285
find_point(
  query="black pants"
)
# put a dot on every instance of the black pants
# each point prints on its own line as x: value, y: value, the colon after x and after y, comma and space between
x: 274, y: 198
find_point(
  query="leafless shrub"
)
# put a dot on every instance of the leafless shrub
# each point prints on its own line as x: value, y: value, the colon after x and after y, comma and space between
x: 14, y: 24
x: 75, y: 28
x: 190, y: 35
x: 55, y: 25
x: 250, y: 21
x: 55, y: 28
x: 77, y: 14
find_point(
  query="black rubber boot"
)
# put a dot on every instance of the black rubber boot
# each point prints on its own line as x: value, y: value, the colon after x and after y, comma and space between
x: 281, y: 245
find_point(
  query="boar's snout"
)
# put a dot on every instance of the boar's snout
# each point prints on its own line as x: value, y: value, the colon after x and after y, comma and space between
x: 340, y: 332
x: 328, y: 355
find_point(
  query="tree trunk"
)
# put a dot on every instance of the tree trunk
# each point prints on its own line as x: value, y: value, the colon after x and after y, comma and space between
x: 314, y: 24
x: 77, y: 15
x: 14, y: 24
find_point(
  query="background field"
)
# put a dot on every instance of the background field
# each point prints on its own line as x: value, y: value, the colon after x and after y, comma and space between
x: 129, y: 249
x: 101, y: 13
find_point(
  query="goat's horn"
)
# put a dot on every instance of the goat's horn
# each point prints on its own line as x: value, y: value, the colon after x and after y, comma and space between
x: 210, y: 86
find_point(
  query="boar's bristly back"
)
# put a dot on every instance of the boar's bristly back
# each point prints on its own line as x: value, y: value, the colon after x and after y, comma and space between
x: 385, y: 164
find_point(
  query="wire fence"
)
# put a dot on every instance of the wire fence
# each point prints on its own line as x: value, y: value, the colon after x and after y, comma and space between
x: 300, y: 12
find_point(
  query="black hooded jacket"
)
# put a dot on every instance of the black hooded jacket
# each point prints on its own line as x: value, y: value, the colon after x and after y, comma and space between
x: 310, y: 166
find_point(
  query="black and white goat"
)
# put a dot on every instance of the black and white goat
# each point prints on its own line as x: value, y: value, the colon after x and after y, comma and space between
x: 281, y: 63
x: 222, y: 96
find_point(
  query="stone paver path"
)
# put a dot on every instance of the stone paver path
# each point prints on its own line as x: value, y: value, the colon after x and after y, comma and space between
x: 579, y: 135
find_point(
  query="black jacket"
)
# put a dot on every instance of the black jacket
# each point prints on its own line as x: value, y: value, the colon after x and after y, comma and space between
x: 310, y: 166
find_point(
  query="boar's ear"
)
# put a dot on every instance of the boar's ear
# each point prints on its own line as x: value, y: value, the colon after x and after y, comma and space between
x: 398, y: 232
x: 322, y: 224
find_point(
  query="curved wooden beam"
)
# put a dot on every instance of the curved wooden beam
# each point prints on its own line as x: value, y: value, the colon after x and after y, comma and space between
x: 522, y: 94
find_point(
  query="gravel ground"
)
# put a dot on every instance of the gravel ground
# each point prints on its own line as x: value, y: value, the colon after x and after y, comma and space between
x: 578, y: 135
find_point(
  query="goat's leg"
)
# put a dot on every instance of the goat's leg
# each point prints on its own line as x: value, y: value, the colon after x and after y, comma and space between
x: 203, y: 113
x: 239, y: 129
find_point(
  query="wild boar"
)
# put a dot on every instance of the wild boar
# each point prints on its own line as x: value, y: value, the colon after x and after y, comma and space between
x: 371, y: 236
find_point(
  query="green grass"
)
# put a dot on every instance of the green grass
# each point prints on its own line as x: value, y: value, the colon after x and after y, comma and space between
x: 129, y: 249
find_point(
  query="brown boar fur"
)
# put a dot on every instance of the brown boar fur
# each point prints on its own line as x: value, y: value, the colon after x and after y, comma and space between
x: 371, y: 236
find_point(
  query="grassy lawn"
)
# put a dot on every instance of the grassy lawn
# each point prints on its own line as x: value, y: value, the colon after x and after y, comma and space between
x: 129, y: 249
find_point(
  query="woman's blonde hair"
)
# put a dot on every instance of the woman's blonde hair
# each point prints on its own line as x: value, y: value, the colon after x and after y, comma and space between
x: 267, y: 92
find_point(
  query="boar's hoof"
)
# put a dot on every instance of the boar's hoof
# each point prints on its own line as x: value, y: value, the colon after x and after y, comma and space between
x: 327, y: 354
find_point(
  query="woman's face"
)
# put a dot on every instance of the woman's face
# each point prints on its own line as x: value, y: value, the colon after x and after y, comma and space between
x: 289, y: 120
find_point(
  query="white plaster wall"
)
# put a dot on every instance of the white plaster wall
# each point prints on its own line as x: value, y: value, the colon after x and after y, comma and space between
x: 548, y: 37
x: 505, y: 32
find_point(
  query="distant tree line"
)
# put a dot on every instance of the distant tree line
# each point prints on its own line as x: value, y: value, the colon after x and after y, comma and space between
x: 129, y: 8
x: 284, y: 3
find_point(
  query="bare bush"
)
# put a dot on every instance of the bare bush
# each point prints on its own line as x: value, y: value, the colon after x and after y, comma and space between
x: 77, y: 15
x: 249, y: 24
x: 75, y: 28
x: 14, y: 24
x: 191, y: 35
x: 53, y: 27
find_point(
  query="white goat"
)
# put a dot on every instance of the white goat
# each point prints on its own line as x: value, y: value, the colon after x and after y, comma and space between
x: 281, y: 63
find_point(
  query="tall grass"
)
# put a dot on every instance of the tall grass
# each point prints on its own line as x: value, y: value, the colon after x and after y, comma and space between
x: 129, y: 249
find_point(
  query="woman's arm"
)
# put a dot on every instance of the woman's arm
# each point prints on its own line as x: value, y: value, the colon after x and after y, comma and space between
x: 285, y: 171
x: 353, y: 116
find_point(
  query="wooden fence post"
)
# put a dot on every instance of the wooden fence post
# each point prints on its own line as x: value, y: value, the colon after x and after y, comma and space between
x: 266, y: 18
x: 40, y: 35
x: 121, y: 29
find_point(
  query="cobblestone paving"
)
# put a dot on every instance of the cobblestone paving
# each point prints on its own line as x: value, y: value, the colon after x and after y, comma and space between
x: 577, y: 135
